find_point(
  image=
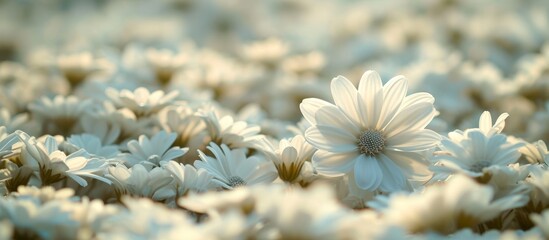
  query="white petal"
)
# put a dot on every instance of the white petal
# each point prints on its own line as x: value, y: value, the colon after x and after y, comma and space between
x: 331, y: 139
x: 413, y: 165
x: 485, y: 122
x: 310, y: 106
x: 333, y: 116
x: 414, y: 117
x: 344, y: 95
x: 417, y: 98
x: 393, y: 178
x: 333, y: 164
x: 370, y: 98
x: 393, y: 94
x: 368, y: 174
x: 413, y: 141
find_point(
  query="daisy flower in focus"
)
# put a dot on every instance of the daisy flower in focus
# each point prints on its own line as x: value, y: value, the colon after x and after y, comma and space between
x: 231, y: 168
x: 374, y: 132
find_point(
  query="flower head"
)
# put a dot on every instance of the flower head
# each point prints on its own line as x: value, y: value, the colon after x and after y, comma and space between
x: 54, y: 165
x: 231, y: 168
x: 153, y: 151
x: 375, y: 131
x: 476, y: 151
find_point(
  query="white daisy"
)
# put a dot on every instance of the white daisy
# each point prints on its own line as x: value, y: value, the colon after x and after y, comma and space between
x: 536, y: 152
x: 188, y: 178
x: 141, y: 101
x: 231, y: 168
x: 60, y: 114
x: 54, y: 165
x: 189, y: 128
x: 298, y: 214
x: 461, y: 203
x: 290, y: 156
x: 152, y: 152
x: 144, y: 219
x: 33, y: 219
x: 139, y: 182
x: 476, y: 150
x: 226, y: 130
x: 376, y: 131
x: 268, y: 52
x: 539, y: 182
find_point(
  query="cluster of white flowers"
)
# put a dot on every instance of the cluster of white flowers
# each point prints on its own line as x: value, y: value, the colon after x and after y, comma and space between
x: 210, y: 119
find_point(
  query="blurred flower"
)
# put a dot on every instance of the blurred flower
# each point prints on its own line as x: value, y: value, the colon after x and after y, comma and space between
x: 461, y: 202
x: 302, y: 216
x: 476, y: 152
x: 536, y: 152
x: 541, y: 221
x: 290, y: 156
x: 376, y: 131
x: 137, y: 181
x: 225, y: 130
x: 231, y: 168
x: 153, y: 152
x: 60, y: 114
x: 92, y: 144
x: 268, y: 52
x: 54, y: 165
x: 141, y: 101
x: 188, y: 178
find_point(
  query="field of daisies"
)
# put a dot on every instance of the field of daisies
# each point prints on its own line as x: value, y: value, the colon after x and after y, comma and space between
x: 274, y: 119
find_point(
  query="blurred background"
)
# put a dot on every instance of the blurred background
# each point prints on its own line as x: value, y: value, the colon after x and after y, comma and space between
x: 266, y: 56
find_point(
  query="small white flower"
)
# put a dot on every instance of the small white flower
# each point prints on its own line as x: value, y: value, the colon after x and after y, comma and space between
x: 33, y: 219
x: 536, y: 152
x: 298, y: 214
x: 213, y: 202
x: 188, y: 178
x: 145, y: 219
x: 140, y: 182
x: 60, y: 114
x: 152, y: 152
x: 476, y: 150
x: 225, y: 130
x: 461, y: 203
x: 268, y: 52
x: 375, y: 131
x: 231, y: 168
x: 54, y: 164
x: 539, y: 180
x: 141, y: 101
x: 290, y: 156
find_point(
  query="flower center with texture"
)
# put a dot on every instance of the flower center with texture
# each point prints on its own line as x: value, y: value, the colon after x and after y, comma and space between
x: 479, y: 166
x: 236, y: 181
x: 371, y: 142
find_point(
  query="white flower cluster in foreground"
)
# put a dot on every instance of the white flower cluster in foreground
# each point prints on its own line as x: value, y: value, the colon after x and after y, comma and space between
x: 206, y: 119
